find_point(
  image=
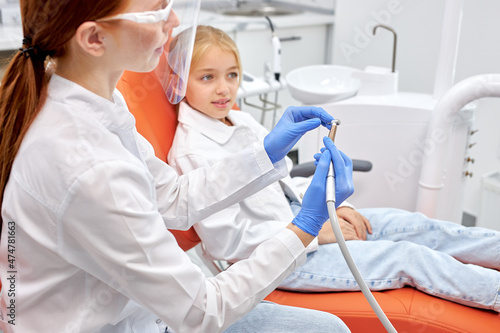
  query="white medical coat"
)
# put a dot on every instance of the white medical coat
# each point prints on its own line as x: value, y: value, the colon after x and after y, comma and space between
x: 86, y: 206
x: 232, y: 234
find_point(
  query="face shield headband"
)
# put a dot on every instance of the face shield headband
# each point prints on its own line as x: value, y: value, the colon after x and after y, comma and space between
x: 144, y: 17
x: 175, y: 62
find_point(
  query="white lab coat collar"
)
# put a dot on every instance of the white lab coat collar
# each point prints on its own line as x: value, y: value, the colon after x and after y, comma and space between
x: 115, y: 115
x: 212, y: 128
x: 220, y: 133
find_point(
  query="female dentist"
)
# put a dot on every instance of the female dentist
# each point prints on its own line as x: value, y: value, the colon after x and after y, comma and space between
x: 84, y: 204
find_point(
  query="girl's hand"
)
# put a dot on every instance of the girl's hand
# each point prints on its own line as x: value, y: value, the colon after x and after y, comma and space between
x: 360, y: 223
x: 326, y: 234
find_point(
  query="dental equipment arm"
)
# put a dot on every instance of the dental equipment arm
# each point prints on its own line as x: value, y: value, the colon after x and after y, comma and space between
x: 331, y: 206
x: 277, y: 57
x: 276, y: 52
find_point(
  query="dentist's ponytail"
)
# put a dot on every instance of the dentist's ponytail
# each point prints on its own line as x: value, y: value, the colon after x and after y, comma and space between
x: 48, y: 25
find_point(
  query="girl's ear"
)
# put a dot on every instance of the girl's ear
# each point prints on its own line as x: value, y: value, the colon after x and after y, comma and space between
x: 90, y: 37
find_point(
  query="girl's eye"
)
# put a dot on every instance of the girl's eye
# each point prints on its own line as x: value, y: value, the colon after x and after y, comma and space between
x: 206, y: 77
x: 233, y: 75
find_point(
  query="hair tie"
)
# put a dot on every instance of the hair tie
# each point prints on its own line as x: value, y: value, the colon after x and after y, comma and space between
x: 30, y: 51
x: 27, y: 50
x: 27, y: 40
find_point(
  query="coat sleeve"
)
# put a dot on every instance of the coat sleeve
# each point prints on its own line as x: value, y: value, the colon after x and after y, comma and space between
x: 233, y: 233
x: 112, y: 230
x: 186, y: 199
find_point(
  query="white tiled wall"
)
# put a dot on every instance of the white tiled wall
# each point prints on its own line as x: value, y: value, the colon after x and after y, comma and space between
x: 6, y: 2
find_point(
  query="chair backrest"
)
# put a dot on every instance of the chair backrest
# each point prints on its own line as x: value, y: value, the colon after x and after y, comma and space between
x: 156, y: 120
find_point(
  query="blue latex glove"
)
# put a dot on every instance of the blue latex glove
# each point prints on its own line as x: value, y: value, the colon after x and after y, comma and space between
x: 314, y: 212
x: 295, y: 122
x: 344, y: 186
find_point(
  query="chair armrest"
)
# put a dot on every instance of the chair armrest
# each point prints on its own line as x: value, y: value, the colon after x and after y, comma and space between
x: 307, y: 169
x: 361, y: 165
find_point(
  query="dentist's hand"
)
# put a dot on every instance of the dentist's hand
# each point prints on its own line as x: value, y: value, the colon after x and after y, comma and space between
x: 342, y: 164
x: 294, y: 123
x: 314, y: 212
x: 344, y: 186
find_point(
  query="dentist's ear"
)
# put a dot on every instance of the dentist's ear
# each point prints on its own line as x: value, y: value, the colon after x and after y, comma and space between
x: 90, y: 38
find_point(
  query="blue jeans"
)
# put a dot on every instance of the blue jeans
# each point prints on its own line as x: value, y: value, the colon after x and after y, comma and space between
x: 265, y: 317
x: 273, y: 318
x: 440, y: 258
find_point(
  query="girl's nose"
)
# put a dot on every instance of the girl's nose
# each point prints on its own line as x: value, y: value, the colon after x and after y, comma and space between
x: 222, y: 88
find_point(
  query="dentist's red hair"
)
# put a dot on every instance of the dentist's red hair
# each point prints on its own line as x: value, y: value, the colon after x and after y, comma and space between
x: 48, y: 25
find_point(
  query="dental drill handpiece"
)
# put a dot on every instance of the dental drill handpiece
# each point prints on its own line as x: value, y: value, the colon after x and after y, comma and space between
x: 330, y: 179
x: 330, y: 201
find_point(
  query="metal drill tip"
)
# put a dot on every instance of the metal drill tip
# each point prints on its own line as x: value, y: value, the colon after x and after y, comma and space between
x: 333, y: 130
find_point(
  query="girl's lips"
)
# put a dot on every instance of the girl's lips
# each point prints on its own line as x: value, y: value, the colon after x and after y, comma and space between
x: 221, y: 103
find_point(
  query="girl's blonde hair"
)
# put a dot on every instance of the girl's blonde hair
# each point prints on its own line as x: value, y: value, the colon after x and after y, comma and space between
x: 208, y: 37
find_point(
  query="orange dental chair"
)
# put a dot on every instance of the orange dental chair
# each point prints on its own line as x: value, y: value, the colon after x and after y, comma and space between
x: 408, y: 309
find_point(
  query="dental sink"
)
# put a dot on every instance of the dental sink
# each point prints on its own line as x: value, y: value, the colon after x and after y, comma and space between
x: 252, y: 9
x: 321, y: 84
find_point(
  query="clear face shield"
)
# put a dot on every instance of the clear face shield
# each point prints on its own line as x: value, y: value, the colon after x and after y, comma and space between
x: 175, y: 62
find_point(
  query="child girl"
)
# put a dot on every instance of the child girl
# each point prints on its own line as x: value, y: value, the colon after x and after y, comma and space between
x: 391, y: 247
x: 85, y: 204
